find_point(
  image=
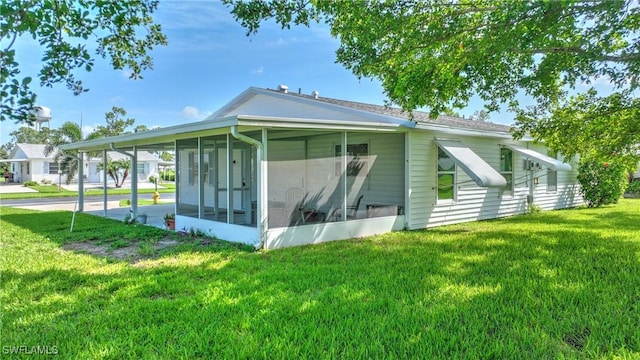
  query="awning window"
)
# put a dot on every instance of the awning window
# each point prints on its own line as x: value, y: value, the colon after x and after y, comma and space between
x: 545, y: 160
x: 473, y: 165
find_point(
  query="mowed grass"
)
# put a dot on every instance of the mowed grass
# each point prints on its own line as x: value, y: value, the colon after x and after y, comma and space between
x: 561, y: 284
x: 48, y: 191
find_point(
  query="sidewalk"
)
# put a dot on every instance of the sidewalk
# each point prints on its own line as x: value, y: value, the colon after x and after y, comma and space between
x: 12, y: 188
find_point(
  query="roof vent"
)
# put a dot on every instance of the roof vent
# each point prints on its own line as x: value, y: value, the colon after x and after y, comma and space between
x: 283, y: 88
x: 315, y: 94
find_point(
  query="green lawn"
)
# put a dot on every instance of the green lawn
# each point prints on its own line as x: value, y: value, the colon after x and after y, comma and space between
x: 47, y: 191
x: 561, y: 284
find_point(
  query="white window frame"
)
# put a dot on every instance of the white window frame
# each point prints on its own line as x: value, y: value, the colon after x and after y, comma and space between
x: 509, y: 189
x: 445, y: 172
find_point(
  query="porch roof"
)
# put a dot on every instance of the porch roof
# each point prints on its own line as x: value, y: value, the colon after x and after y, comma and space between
x: 219, y: 126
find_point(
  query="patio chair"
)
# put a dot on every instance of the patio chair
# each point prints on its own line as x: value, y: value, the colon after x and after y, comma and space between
x: 292, y: 200
x: 352, y: 210
x: 311, y: 215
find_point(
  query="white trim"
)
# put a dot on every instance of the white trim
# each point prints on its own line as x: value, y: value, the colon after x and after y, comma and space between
x: 323, y: 232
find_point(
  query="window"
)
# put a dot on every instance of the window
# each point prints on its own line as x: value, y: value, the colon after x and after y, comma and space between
x: 552, y: 175
x: 446, y: 176
x: 506, y: 169
x: 357, y: 155
x: 28, y: 168
x: 141, y: 169
x: 53, y: 168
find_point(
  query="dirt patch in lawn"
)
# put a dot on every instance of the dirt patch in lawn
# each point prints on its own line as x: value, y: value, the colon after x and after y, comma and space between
x: 129, y: 252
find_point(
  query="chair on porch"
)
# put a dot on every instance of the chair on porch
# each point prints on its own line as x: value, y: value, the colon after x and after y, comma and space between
x: 292, y: 200
x: 311, y: 215
x: 352, y: 210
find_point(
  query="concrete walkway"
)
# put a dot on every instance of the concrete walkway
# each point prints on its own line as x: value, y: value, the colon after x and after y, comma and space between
x: 12, y: 188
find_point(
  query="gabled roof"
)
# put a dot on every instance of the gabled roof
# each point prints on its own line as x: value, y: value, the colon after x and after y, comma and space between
x: 30, y: 151
x: 418, y: 116
x: 256, y: 107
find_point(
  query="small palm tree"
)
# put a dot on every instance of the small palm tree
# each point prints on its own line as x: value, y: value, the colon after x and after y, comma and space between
x: 118, y: 170
x: 69, y: 132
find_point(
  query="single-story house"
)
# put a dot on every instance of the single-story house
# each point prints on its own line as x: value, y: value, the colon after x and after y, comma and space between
x: 29, y: 163
x: 276, y: 169
x: 148, y: 164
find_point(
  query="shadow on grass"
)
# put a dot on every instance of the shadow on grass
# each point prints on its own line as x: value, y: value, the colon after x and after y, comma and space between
x: 491, y: 289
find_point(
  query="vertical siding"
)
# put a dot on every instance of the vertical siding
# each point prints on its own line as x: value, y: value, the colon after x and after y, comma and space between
x: 473, y: 202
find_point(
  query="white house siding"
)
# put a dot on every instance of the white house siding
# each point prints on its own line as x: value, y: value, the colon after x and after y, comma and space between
x: 310, y: 166
x: 567, y: 193
x: 384, y: 183
x: 473, y: 202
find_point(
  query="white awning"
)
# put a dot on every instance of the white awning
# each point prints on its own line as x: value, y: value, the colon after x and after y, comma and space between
x: 482, y: 173
x: 13, y: 160
x: 547, y: 161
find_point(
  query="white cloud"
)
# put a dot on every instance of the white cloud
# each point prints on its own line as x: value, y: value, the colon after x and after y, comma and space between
x: 258, y: 71
x: 88, y: 129
x: 191, y: 112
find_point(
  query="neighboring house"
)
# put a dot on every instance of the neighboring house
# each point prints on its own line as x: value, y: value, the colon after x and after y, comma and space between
x: 27, y: 162
x: 276, y: 169
x: 147, y: 166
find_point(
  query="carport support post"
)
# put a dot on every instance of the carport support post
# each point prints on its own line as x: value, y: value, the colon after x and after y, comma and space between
x: 134, y: 178
x: 80, y: 182
x: 104, y: 181
x: 134, y: 183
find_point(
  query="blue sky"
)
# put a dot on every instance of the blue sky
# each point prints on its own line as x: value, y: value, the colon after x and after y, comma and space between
x: 209, y: 60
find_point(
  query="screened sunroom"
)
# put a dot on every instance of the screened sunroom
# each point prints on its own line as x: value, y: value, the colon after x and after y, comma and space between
x: 312, y: 178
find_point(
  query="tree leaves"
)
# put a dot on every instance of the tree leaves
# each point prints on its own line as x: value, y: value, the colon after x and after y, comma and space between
x: 124, y: 33
x: 438, y: 54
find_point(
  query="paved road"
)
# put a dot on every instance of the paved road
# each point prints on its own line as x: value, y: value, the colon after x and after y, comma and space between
x: 57, y: 200
x: 92, y: 204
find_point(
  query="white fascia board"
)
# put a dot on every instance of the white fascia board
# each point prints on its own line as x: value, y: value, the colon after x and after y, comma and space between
x: 15, y: 160
x: 304, y: 123
x: 463, y: 132
x: 317, y: 103
x: 233, y: 103
x: 153, y: 136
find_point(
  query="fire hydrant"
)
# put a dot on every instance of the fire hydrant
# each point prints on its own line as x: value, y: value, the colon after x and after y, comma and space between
x: 155, y: 197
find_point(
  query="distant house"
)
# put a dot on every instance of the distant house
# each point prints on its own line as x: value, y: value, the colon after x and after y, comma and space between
x: 277, y: 169
x: 27, y: 162
x: 147, y: 166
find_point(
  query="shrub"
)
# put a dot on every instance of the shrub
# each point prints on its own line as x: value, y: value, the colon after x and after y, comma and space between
x: 30, y: 183
x: 633, y: 187
x: 46, y: 181
x: 152, y: 179
x: 168, y: 175
x: 601, y: 182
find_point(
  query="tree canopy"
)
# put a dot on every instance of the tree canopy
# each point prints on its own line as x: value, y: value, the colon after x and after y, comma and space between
x: 438, y: 54
x: 116, y: 124
x: 122, y: 31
